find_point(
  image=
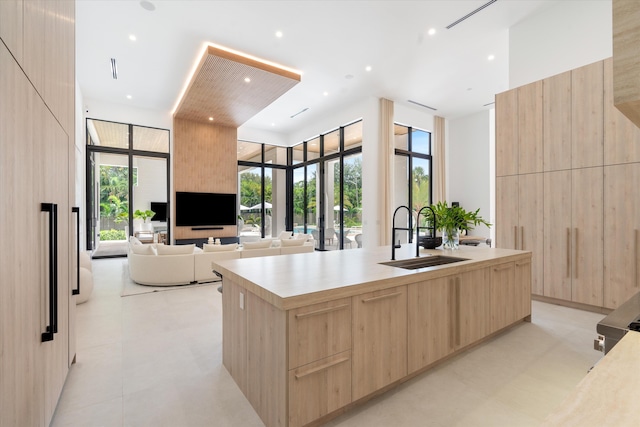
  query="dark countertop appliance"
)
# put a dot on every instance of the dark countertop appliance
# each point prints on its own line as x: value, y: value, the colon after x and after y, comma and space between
x: 615, y: 325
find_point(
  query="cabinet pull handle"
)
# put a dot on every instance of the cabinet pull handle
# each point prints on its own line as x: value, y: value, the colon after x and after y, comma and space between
x: 502, y: 267
x: 568, y: 252
x: 76, y: 210
x: 637, y: 260
x: 321, y: 311
x: 52, y: 327
x: 522, y: 238
x: 457, y: 311
x: 322, y: 367
x: 576, y: 253
x: 395, y: 294
x: 515, y: 237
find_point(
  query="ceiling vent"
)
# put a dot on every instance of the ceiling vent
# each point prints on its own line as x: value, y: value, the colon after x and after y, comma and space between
x: 114, y: 69
x: 300, y: 112
x: 422, y: 105
x: 470, y: 14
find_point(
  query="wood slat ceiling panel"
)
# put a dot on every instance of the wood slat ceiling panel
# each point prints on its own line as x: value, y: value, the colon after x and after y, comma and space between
x: 218, y: 89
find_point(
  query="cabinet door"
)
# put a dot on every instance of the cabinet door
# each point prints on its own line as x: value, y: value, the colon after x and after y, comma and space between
x: 587, y: 214
x: 557, y: 235
x: 531, y: 221
x: 507, y: 133
x: 319, y: 388
x: 523, y: 289
x: 429, y: 322
x: 587, y: 129
x: 22, y: 251
x: 557, y: 122
x: 379, y: 339
x: 530, y: 156
x: 11, y: 26
x: 507, y: 212
x: 472, y: 292
x: 621, y: 135
x: 319, y: 331
x: 621, y: 247
x: 504, y: 311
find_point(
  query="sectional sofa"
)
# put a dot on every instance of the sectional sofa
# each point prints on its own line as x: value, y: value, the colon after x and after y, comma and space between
x: 169, y: 265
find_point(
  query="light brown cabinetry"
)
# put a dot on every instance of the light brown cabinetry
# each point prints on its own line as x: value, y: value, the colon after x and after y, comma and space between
x: 510, y: 293
x: 573, y: 235
x: 557, y: 122
x: 519, y: 142
x: 379, y: 340
x: 519, y: 219
x: 622, y: 245
x: 472, y: 307
x: 11, y: 26
x: 587, y: 106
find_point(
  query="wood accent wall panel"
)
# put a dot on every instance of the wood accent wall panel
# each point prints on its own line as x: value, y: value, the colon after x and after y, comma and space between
x: 11, y: 26
x: 557, y: 122
x: 621, y: 135
x: 626, y: 61
x: 507, y: 133
x: 530, y: 152
x: 204, y: 160
x: 587, y: 106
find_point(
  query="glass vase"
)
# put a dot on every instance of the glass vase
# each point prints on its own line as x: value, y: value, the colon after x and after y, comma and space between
x: 450, y: 239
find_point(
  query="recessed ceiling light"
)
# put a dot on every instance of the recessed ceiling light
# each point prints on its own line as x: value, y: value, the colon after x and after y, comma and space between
x: 491, y: 57
x: 147, y: 5
x: 132, y: 37
x: 348, y: 76
x: 431, y: 31
x: 279, y: 34
x: 368, y: 68
x: 210, y: 119
x: 325, y: 93
x: 273, y: 124
x: 468, y: 89
x: 247, y: 79
x: 129, y: 96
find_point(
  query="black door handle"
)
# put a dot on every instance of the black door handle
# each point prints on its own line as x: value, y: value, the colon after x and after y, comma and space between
x: 52, y: 327
x: 76, y: 210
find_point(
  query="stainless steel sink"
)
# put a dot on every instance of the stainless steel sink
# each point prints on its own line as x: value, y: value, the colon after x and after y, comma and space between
x: 423, y: 262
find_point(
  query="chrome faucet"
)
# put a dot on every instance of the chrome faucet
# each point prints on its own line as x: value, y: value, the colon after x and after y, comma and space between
x: 394, y: 229
x: 432, y: 229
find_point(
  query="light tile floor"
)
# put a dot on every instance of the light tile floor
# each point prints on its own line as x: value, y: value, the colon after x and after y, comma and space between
x: 156, y: 360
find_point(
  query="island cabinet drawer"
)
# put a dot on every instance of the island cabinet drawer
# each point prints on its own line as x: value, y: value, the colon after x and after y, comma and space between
x: 319, y: 388
x: 319, y: 331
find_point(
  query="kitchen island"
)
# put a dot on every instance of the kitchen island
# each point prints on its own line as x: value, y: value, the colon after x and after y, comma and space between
x: 308, y: 336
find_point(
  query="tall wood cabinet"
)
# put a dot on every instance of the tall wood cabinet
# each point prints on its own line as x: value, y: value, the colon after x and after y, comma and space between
x: 37, y: 249
x: 590, y: 194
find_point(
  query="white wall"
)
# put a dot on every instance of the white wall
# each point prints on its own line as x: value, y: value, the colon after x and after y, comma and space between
x: 469, y: 165
x: 560, y: 38
x: 124, y: 114
x: 80, y: 168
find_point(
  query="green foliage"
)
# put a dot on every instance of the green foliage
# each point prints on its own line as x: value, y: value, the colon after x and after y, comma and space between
x: 452, y: 218
x: 112, y: 235
x: 138, y: 214
x: 114, y: 192
x: 250, y: 187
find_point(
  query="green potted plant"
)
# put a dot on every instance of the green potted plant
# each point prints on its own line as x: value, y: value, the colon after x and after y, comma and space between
x: 144, y: 216
x: 452, y: 220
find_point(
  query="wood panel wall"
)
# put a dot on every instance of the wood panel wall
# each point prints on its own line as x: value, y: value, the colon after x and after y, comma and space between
x: 204, y: 160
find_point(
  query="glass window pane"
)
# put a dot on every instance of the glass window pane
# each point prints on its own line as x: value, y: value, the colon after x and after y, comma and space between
x: 312, y: 187
x: 250, y: 189
x: 150, y: 139
x: 401, y: 196
x: 268, y: 202
x: 353, y: 135
x: 150, y: 193
x: 313, y: 149
x: 421, y: 182
x: 332, y: 142
x: 298, y: 154
x: 353, y: 201
x: 113, y: 190
x: 332, y: 205
x: 298, y: 200
x: 401, y: 137
x: 249, y: 151
x: 108, y: 134
x: 420, y: 141
x: 275, y: 155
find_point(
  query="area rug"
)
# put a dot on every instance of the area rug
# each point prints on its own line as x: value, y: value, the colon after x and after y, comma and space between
x: 130, y: 287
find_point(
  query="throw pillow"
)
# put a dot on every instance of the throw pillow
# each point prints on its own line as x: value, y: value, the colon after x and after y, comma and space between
x: 293, y: 242
x: 220, y: 248
x: 175, y: 250
x: 261, y: 244
x: 134, y: 240
x: 142, y: 249
x: 284, y: 235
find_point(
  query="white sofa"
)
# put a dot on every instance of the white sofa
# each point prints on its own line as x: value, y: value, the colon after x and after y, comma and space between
x: 151, y: 265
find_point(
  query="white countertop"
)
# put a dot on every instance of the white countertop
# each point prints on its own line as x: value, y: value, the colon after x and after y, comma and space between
x: 608, y: 395
x: 289, y: 281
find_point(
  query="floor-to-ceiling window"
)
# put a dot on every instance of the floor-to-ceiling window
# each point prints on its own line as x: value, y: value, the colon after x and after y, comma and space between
x: 413, y: 171
x: 127, y: 182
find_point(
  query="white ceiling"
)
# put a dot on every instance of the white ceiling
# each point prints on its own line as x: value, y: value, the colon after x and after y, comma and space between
x: 326, y: 40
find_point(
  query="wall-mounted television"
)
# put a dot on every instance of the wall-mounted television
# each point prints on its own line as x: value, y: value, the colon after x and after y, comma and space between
x: 205, y: 209
x: 160, y: 209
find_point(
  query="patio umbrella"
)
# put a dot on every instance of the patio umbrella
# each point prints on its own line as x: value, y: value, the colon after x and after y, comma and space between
x: 244, y: 208
x: 267, y: 205
x: 337, y: 208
